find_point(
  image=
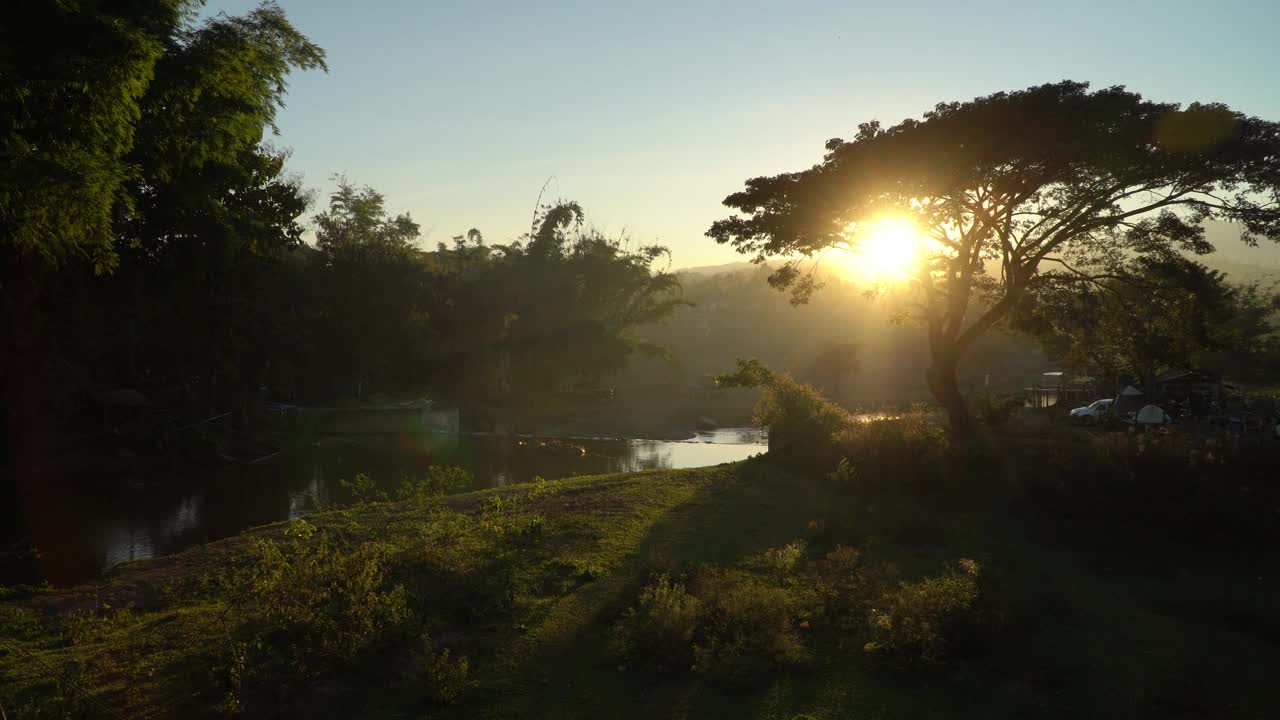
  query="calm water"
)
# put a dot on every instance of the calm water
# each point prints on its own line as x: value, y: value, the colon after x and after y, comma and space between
x: 85, y: 528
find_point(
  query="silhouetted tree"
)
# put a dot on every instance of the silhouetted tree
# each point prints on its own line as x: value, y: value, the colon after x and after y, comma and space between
x: 831, y: 364
x: 1037, y: 183
x: 1153, y: 316
x: 132, y: 139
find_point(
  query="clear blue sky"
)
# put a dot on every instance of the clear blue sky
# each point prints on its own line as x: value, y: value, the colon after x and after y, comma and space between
x: 649, y: 113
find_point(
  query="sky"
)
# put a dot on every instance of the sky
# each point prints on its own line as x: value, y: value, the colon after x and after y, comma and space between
x: 650, y: 113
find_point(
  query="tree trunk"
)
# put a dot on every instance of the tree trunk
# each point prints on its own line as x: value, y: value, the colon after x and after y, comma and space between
x: 942, y: 383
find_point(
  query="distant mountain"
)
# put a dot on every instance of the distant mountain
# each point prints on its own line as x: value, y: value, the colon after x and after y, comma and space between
x: 1241, y: 262
x: 719, y: 269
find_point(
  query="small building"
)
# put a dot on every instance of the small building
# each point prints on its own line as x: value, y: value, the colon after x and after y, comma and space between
x: 1055, y: 388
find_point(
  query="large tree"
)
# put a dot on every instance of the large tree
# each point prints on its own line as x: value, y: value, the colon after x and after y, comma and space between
x: 1016, y: 189
x: 1154, y: 315
x: 131, y: 138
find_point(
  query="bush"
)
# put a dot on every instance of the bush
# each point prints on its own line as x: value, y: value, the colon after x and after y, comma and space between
x: 660, y: 629
x: 1191, y: 491
x: 904, y: 448
x: 439, y: 480
x: 782, y: 561
x: 918, y: 620
x: 362, y: 490
x: 445, y: 677
x: 845, y: 475
x: 846, y: 588
x: 331, y: 601
x: 803, y: 425
x: 747, y: 628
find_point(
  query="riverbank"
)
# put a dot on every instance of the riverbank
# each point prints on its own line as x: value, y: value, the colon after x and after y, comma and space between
x: 778, y: 585
x: 84, y: 525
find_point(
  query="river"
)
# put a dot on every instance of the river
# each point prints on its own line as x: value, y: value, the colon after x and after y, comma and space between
x: 84, y: 528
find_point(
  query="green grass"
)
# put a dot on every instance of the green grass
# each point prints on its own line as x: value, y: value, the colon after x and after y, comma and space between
x: 533, y: 613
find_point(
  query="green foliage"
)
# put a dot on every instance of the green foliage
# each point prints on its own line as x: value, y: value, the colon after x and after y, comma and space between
x: 84, y: 626
x: 748, y: 628
x: 750, y: 373
x: 845, y: 474
x: 333, y: 602
x: 846, y: 586
x: 804, y: 427
x: 541, y: 488
x: 439, y: 480
x: 906, y: 447
x: 507, y: 518
x: 917, y: 620
x: 730, y: 627
x: 1041, y: 179
x: 155, y: 97
x: 231, y: 674
x: 660, y: 629
x: 1154, y: 315
x: 444, y: 678
x: 362, y: 489
x: 783, y: 561
x: 76, y: 76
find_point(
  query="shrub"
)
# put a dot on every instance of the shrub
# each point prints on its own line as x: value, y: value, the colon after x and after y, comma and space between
x: 439, y: 480
x: 907, y: 447
x: 660, y: 629
x: 782, y: 561
x: 918, y: 620
x: 845, y: 475
x: 362, y: 490
x: 330, y: 600
x: 541, y: 488
x: 84, y: 626
x: 847, y: 587
x: 231, y: 676
x: 507, y: 518
x: 1193, y: 491
x: 748, y: 628
x: 803, y: 425
x: 445, y: 677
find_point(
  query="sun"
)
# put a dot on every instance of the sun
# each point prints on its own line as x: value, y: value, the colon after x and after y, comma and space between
x: 886, y: 250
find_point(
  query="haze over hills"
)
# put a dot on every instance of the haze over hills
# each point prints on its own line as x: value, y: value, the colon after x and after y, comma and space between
x: 1241, y: 262
x: 736, y: 314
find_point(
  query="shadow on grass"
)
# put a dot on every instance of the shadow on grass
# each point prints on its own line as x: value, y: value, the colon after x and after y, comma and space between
x: 754, y: 506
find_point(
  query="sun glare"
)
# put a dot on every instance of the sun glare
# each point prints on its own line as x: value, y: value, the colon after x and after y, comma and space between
x: 886, y: 250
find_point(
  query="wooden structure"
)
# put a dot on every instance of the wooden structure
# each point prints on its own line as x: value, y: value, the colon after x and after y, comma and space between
x: 1198, y: 390
x: 1053, y: 389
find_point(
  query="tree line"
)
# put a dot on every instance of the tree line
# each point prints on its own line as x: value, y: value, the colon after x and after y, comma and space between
x: 153, y: 239
x: 1021, y: 195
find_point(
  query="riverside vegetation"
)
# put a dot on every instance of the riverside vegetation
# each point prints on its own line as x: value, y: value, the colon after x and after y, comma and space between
x: 856, y: 570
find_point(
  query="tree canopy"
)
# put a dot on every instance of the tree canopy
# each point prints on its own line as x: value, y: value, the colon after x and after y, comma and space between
x: 1015, y: 190
x: 1157, y: 315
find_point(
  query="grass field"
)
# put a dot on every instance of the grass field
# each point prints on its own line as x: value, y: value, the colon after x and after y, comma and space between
x: 529, y: 589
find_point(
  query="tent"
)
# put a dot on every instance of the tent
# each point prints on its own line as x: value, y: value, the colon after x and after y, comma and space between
x: 1151, y: 415
x: 1129, y: 400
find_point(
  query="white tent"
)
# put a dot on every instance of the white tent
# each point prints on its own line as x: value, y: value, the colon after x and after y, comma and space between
x: 1151, y: 415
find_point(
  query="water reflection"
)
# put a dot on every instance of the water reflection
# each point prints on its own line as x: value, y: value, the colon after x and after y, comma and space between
x: 85, y: 526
